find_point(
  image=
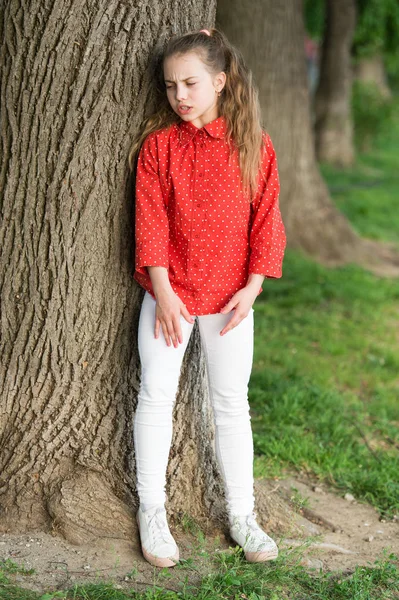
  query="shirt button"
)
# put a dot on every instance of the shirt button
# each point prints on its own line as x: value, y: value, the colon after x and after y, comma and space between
x: 198, y: 204
x: 200, y: 174
x: 196, y: 235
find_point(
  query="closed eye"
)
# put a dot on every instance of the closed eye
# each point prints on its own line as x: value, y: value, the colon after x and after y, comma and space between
x: 169, y: 87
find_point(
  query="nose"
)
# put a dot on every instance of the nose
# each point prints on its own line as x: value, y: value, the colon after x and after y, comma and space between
x: 181, y: 93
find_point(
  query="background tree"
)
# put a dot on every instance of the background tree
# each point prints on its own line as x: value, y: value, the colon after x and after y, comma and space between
x: 271, y: 37
x: 374, y: 65
x: 376, y: 44
x: 332, y: 107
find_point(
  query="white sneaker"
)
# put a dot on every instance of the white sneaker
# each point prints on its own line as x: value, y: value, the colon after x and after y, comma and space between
x: 257, y: 545
x: 157, y: 543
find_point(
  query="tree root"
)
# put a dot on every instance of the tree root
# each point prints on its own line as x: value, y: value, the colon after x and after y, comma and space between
x: 85, y: 507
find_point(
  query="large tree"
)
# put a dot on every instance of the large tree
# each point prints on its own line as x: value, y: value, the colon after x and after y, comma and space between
x: 74, y: 88
x: 271, y: 37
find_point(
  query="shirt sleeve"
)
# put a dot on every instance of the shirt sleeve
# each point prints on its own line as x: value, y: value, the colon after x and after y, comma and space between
x: 267, y: 234
x: 151, y: 220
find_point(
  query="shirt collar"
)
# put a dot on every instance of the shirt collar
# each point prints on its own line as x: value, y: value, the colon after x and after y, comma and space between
x: 216, y: 128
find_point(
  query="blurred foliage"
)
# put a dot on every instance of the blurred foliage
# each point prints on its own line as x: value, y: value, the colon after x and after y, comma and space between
x: 314, y: 18
x: 372, y: 113
x: 377, y: 29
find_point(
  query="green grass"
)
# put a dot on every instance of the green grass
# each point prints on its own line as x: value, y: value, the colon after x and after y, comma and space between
x: 325, y: 382
x: 325, y: 385
x: 367, y: 194
x: 231, y: 577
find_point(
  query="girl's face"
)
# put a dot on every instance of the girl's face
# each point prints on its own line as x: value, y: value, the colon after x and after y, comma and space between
x: 191, y: 89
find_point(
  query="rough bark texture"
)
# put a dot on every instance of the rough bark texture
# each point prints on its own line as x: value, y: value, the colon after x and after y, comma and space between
x: 271, y: 38
x: 372, y: 70
x: 73, y: 90
x: 333, y: 121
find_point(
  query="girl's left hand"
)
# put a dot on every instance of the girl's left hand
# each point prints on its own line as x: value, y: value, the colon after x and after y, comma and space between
x: 242, y: 302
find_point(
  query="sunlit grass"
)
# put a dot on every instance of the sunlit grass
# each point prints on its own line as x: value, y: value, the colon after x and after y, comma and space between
x: 325, y: 385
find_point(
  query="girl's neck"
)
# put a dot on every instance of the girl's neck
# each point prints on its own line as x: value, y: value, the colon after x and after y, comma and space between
x: 195, y: 123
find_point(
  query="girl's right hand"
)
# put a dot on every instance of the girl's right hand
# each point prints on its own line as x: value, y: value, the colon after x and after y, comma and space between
x: 167, y: 315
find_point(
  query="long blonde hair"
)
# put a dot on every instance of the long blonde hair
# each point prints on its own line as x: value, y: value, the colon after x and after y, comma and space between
x: 238, y: 102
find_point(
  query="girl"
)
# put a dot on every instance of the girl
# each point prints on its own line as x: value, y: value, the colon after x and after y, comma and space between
x: 208, y: 230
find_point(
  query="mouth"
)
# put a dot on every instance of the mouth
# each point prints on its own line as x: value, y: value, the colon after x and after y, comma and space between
x: 184, y: 109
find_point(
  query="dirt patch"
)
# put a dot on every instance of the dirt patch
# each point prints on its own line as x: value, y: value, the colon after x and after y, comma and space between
x: 343, y: 534
x: 351, y: 533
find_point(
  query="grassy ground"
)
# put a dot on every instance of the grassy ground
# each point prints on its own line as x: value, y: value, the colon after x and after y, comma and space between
x: 325, y: 384
x: 231, y: 577
x: 323, y: 393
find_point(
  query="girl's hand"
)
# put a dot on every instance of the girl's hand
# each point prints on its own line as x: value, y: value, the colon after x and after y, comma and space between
x: 242, y: 302
x: 167, y: 315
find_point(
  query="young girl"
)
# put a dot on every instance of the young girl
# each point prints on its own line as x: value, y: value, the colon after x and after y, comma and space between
x: 208, y: 230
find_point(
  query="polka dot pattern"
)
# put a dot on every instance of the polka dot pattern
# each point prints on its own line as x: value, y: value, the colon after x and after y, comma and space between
x: 193, y: 219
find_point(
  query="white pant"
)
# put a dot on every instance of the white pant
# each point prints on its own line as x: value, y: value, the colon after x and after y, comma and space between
x: 229, y: 363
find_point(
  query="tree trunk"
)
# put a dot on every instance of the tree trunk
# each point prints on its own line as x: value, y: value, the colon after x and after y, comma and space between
x: 333, y: 120
x: 73, y: 91
x: 372, y: 70
x: 271, y: 38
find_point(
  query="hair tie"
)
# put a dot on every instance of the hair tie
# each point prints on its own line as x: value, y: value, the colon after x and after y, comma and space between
x: 205, y: 31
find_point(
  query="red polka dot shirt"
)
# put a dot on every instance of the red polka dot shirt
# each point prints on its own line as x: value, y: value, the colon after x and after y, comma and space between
x: 193, y: 219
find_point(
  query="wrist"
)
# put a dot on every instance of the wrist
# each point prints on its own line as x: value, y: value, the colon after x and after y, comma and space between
x: 160, y: 280
x: 255, y: 281
x: 162, y: 290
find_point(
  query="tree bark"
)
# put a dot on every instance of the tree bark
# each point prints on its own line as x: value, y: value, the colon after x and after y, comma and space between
x: 333, y: 120
x: 271, y: 37
x: 73, y: 90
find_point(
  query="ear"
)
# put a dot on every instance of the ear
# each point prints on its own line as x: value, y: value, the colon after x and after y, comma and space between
x: 220, y: 80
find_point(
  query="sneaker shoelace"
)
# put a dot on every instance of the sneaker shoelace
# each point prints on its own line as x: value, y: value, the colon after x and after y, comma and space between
x: 251, y: 522
x: 255, y: 533
x: 248, y: 520
x: 158, y: 527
